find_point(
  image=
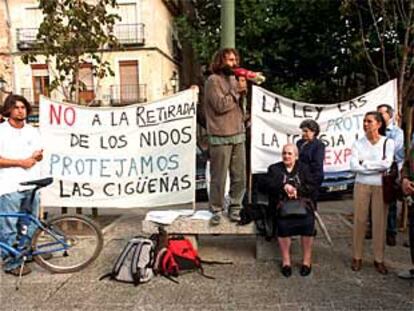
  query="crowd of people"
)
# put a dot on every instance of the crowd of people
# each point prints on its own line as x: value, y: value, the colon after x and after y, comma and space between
x: 292, y: 185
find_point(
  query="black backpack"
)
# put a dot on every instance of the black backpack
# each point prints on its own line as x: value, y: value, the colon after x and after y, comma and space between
x: 135, y: 263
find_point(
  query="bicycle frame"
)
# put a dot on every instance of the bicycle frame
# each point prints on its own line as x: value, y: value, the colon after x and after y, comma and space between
x: 17, y: 253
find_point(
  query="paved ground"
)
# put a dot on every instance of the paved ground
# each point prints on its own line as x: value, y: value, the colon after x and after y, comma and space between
x: 246, y: 285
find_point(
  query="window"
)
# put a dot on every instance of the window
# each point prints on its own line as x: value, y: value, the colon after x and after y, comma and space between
x: 129, y: 90
x: 128, y: 13
x: 33, y: 17
x: 127, y: 29
x: 86, y: 93
x: 40, y: 79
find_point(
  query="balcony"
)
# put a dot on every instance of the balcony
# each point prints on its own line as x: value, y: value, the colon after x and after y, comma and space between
x: 26, y: 38
x: 130, y: 34
x: 127, y: 94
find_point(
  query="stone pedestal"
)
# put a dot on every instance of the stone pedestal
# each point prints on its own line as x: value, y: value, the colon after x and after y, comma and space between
x: 191, y: 228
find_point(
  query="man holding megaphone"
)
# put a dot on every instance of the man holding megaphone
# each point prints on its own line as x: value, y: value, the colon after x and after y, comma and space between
x: 226, y: 134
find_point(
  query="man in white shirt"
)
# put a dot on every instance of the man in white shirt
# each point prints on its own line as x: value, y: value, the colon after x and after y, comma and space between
x: 20, y: 151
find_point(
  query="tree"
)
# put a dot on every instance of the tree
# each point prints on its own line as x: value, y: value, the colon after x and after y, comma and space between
x: 73, y: 32
x: 301, y: 46
x: 386, y: 38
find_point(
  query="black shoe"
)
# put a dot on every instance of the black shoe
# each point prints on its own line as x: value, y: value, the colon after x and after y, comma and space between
x: 305, y: 270
x: 391, y: 240
x: 286, y: 271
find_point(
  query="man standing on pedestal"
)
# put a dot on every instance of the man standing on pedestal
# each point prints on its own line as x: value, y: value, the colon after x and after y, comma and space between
x: 226, y: 134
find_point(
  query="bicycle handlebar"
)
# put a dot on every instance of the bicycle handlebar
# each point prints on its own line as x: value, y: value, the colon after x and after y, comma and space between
x: 39, y: 183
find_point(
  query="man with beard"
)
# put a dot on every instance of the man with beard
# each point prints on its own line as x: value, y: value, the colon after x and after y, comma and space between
x: 20, y: 152
x: 226, y: 134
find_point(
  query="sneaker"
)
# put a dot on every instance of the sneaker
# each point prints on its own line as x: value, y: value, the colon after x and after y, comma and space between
x: 234, y: 216
x: 215, y: 219
x: 407, y: 275
x: 16, y: 271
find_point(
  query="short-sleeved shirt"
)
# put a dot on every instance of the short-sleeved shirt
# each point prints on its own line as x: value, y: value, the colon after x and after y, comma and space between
x: 17, y: 144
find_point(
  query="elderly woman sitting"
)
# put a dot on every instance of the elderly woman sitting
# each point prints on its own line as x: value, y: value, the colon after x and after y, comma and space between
x: 291, y: 180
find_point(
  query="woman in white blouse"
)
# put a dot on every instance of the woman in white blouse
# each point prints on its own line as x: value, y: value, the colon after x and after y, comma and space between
x: 371, y: 156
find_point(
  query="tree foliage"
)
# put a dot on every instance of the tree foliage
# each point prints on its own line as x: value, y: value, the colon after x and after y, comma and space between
x: 386, y: 38
x: 74, y: 32
x: 315, y: 50
x: 301, y: 46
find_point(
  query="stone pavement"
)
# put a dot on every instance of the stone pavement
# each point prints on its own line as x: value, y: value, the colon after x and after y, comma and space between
x: 245, y: 285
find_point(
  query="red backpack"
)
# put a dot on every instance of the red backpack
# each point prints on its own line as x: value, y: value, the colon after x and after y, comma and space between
x: 180, y: 257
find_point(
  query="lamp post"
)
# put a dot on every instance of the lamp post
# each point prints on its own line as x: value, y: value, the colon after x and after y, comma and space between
x: 227, y: 19
x: 174, y: 81
x: 3, y: 84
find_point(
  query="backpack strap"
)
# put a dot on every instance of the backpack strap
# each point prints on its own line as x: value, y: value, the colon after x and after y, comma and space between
x: 211, y: 262
x: 121, y: 258
x: 118, y: 264
x: 136, y: 273
x: 214, y: 262
x: 384, y: 149
x: 158, y: 260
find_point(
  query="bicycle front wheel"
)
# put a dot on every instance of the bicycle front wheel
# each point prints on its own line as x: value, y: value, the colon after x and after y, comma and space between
x: 74, y: 241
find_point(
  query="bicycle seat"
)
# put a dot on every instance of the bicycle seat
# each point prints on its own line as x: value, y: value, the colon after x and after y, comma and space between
x: 38, y: 182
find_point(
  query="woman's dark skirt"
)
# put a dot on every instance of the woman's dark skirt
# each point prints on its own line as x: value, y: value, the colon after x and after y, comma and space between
x: 304, y: 226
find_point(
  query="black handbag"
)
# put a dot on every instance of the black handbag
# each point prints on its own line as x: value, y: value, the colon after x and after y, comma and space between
x: 391, y: 186
x: 293, y: 208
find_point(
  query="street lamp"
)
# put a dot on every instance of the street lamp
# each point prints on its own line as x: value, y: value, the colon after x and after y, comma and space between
x: 3, y: 84
x: 174, y: 81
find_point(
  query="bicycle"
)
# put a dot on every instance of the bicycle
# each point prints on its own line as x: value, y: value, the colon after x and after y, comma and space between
x: 74, y: 241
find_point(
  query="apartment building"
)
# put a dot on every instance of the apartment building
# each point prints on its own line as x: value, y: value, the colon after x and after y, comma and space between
x: 147, y: 68
x: 6, y: 70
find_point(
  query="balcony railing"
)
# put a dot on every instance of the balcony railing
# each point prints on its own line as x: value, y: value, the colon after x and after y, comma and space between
x: 119, y: 95
x: 127, y: 94
x: 26, y: 38
x: 130, y: 34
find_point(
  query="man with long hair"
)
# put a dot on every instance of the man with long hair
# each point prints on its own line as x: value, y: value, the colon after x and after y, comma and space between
x: 20, y: 152
x: 226, y: 134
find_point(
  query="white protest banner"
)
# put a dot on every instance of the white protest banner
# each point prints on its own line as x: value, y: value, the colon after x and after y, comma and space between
x: 134, y: 156
x: 276, y: 120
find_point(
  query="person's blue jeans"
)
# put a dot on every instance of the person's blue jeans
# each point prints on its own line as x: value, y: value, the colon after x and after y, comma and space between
x: 392, y: 219
x: 15, y: 202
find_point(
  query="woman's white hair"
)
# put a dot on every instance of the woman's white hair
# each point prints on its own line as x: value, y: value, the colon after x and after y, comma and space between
x: 295, y: 149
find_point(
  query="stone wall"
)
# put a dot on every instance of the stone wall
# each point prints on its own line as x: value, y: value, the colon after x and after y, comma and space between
x: 5, y: 57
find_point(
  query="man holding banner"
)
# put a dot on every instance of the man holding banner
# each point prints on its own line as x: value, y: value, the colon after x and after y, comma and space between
x: 226, y: 134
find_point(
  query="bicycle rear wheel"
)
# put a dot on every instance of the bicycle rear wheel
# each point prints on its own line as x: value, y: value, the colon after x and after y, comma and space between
x: 74, y: 241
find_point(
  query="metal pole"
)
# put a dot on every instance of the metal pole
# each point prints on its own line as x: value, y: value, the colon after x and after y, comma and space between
x: 228, y: 38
